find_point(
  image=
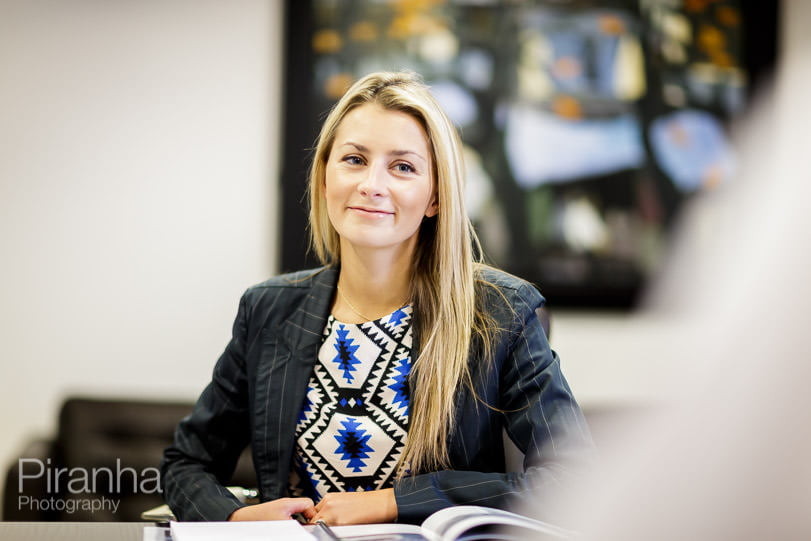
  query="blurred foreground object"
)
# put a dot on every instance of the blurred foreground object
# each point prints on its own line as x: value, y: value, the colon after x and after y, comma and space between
x: 727, y: 457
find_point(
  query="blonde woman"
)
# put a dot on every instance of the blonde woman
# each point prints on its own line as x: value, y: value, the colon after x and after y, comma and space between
x: 376, y: 388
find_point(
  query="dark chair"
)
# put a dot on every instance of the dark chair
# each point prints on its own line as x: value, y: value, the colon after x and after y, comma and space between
x: 106, y: 452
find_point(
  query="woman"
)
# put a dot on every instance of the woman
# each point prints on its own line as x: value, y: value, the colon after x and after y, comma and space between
x: 377, y: 387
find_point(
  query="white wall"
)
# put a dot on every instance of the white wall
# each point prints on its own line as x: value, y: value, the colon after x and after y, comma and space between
x: 138, y: 182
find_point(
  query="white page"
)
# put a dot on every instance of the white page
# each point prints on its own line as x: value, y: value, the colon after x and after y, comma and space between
x: 386, y: 531
x: 453, y: 522
x: 289, y: 530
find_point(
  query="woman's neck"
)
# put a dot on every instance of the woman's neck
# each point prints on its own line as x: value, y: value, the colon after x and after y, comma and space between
x: 372, y: 286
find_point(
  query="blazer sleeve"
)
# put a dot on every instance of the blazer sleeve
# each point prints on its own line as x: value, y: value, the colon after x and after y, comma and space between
x: 208, y: 442
x: 540, y: 415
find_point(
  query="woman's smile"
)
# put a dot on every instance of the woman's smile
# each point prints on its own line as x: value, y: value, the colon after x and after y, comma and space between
x: 370, y: 212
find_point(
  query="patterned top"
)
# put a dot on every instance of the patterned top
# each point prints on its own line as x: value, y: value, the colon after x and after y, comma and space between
x: 354, y: 421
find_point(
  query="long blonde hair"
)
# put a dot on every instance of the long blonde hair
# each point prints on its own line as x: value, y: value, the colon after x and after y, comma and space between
x: 446, y: 260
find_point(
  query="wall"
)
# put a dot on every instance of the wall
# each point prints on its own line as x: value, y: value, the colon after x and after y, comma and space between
x: 138, y: 170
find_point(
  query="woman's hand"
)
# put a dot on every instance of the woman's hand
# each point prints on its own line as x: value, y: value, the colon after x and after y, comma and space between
x: 341, y: 508
x: 281, y: 509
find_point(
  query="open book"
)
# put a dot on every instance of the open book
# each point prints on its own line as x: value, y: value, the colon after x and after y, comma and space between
x: 460, y: 523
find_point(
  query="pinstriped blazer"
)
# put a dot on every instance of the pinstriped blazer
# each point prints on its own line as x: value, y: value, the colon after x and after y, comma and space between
x: 259, y: 384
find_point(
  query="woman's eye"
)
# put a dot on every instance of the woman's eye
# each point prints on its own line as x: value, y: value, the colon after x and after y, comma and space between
x: 353, y: 160
x: 404, y: 168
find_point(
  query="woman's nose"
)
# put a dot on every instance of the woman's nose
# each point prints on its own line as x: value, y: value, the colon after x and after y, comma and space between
x: 374, y: 183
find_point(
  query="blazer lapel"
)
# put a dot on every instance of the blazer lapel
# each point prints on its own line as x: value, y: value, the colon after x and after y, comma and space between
x: 305, y: 327
x: 289, y: 374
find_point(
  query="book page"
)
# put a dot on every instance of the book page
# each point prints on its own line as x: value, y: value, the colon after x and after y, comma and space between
x: 453, y: 522
x: 380, y: 532
x: 289, y: 530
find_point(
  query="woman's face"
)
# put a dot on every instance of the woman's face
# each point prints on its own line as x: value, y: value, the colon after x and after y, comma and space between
x: 379, y: 182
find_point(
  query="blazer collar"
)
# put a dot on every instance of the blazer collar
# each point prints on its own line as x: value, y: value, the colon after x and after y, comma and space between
x: 305, y: 328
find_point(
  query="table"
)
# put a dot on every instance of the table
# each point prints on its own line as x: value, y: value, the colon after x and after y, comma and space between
x: 72, y: 531
x: 86, y: 531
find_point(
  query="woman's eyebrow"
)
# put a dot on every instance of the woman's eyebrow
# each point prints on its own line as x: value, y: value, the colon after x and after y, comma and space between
x: 408, y: 153
x: 362, y: 148
x: 358, y: 146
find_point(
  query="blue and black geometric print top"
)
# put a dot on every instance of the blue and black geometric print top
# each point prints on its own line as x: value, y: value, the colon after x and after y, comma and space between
x: 354, y: 421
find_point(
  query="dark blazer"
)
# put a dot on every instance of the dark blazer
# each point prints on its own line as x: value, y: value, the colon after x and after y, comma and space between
x: 259, y: 385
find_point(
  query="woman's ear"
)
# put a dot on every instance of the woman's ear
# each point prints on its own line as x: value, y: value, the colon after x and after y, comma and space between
x: 433, y: 208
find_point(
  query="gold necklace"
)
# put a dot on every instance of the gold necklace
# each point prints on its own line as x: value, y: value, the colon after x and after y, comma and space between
x: 358, y: 312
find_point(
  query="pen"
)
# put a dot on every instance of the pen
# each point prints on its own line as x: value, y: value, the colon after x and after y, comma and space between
x: 327, y: 530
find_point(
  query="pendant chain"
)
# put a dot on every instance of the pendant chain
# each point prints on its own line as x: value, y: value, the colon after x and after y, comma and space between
x: 358, y: 312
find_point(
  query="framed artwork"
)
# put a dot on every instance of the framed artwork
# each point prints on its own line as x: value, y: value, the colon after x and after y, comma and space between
x: 586, y: 124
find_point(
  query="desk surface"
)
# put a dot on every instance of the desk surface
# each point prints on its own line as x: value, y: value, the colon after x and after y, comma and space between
x: 72, y: 531
x: 85, y: 531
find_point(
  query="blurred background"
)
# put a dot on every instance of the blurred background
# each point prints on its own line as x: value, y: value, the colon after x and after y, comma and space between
x: 586, y: 124
x: 152, y: 156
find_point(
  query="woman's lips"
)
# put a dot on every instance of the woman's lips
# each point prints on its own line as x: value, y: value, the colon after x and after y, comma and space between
x: 366, y: 211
